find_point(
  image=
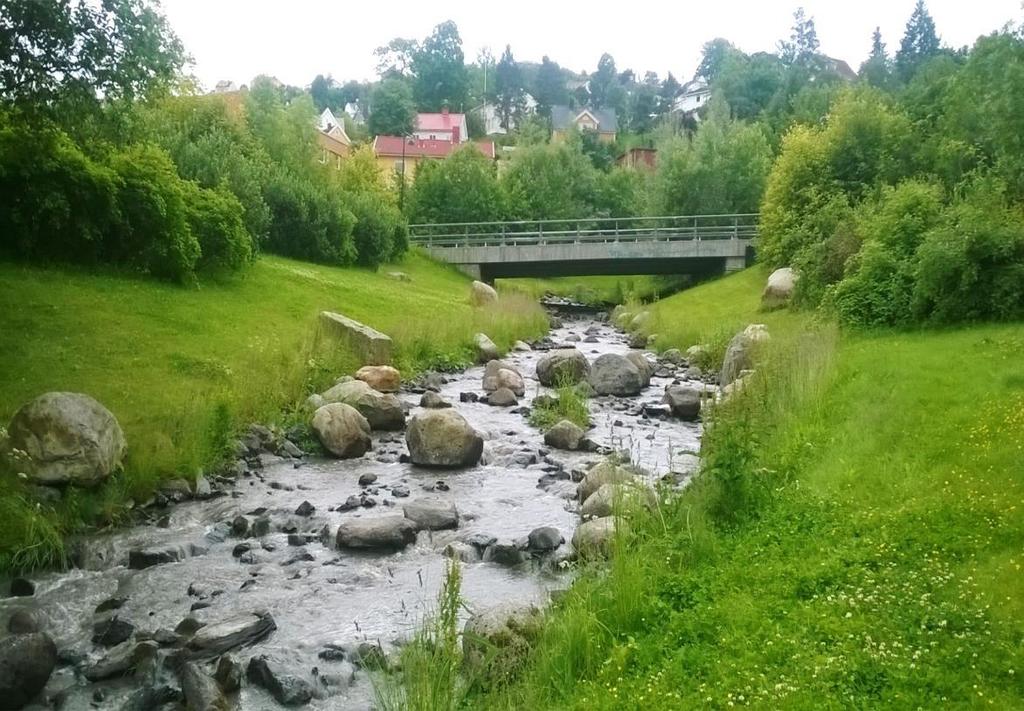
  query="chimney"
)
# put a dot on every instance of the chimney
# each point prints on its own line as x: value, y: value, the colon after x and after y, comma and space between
x: 444, y: 110
x: 456, y: 134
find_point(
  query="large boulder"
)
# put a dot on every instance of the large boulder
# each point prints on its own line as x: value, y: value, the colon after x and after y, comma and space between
x: 565, y: 435
x: 383, y: 532
x: 432, y: 515
x: 64, y: 438
x: 382, y: 378
x: 26, y: 662
x: 383, y: 411
x: 288, y: 689
x: 200, y: 689
x: 564, y: 366
x: 603, y: 502
x: 342, y: 430
x: 683, y: 400
x: 231, y: 633
x: 643, y: 365
x: 595, y: 538
x: 495, y: 641
x: 443, y: 438
x: 614, y: 374
x: 499, y: 374
x: 481, y: 294
x: 779, y: 289
x: 605, y: 472
x: 502, y: 397
x: 739, y: 356
x: 486, y: 350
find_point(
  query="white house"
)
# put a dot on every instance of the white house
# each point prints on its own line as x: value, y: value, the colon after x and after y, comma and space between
x: 355, y: 112
x: 695, y: 94
x: 492, y: 121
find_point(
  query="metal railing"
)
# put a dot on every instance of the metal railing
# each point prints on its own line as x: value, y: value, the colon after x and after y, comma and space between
x: 589, y: 230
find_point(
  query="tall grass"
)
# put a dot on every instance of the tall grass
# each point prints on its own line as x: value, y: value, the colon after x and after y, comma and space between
x: 569, y: 403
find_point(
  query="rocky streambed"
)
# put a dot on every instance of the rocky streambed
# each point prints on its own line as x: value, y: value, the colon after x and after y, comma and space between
x: 257, y: 588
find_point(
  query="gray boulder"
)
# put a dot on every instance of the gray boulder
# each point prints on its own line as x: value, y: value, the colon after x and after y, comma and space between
x: 614, y: 374
x: 562, y: 366
x: 739, y: 356
x: 495, y: 640
x: 443, y: 438
x: 595, y: 538
x: 499, y: 374
x: 486, y: 350
x: 200, y: 690
x: 433, y: 401
x: 481, y: 294
x: 382, y: 378
x: 64, y: 438
x: 26, y: 662
x: 287, y: 689
x: 383, y: 411
x: 605, y: 472
x: 565, y: 435
x: 342, y: 430
x: 502, y: 397
x: 391, y: 532
x: 644, y: 366
x: 779, y: 289
x: 628, y: 495
x: 121, y: 660
x: 684, y: 401
x: 544, y: 539
x: 432, y: 515
x: 231, y: 633
x: 673, y: 356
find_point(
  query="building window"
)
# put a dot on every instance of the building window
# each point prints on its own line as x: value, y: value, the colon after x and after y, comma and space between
x: 323, y: 155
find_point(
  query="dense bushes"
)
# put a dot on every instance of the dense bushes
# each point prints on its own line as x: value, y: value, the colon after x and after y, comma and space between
x: 462, y: 188
x: 309, y: 221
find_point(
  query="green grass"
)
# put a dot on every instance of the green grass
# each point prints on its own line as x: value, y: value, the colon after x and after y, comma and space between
x: 856, y: 540
x: 596, y: 290
x: 182, y: 367
x: 568, y: 403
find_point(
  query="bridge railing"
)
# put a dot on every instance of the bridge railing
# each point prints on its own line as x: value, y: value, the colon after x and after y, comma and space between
x: 595, y: 229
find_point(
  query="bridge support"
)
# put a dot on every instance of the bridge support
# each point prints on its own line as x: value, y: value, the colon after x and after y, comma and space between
x: 735, y: 264
x: 470, y: 270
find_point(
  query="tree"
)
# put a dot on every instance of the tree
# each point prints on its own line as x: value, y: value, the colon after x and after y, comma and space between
x: 876, y: 69
x: 509, y: 90
x: 551, y: 182
x: 439, y: 70
x: 604, y: 83
x: 461, y: 188
x: 670, y: 89
x: 392, y: 111
x: 713, y: 58
x: 802, y: 47
x: 55, y: 51
x: 644, y: 107
x: 396, y: 57
x: 549, y: 89
x: 919, y: 43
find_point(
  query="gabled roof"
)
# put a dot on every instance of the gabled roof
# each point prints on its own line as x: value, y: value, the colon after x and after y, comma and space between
x: 841, y: 68
x: 562, y: 117
x: 328, y: 123
x: 438, y: 122
x: 424, y: 147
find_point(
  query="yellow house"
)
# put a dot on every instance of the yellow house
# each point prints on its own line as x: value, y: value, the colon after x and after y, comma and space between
x: 601, y: 121
x: 398, y: 155
x: 335, y: 145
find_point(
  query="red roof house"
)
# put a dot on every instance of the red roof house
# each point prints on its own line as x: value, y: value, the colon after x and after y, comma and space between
x: 444, y: 126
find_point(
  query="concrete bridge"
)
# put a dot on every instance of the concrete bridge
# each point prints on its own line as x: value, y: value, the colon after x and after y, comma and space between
x: 699, y: 245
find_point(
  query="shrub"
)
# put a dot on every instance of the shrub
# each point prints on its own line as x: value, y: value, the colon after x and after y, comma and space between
x: 216, y: 219
x: 309, y: 221
x: 461, y: 188
x: 154, y: 234
x: 878, y: 291
x: 550, y: 182
x: 380, y: 233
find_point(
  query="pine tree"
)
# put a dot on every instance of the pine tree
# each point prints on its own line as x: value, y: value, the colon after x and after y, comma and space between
x: 877, y: 70
x: 549, y: 88
x: 509, y: 90
x: 920, y: 42
x: 802, y: 48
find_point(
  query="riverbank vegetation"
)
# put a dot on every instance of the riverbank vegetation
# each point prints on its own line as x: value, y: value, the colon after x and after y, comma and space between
x: 182, y: 369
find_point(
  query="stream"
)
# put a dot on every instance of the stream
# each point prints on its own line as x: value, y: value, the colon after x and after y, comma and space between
x: 324, y: 599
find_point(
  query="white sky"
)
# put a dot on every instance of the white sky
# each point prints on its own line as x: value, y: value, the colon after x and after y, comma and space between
x: 298, y: 39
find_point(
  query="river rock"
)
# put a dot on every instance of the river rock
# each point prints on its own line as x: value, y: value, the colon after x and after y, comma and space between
x: 673, y: 356
x: 565, y: 435
x: 564, y: 366
x: 486, y: 350
x: 495, y: 640
x: 443, y: 438
x: 287, y: 689
x: 502, y: 397
x: 228, y: 634
x: 614, y: 374
x: 603, y: 501
x: 779, y: 289
x: 110, y: 630
x: 64, y: 438
x: 499, y: 374
x: 382, y: 378
x: 684, y: 401
x: 639, y: 321
x: 432, y: 515
x: 507, y: 554
x: 23, y: 621
x: 595, y: 538
x: 433, y: 401
x: 383, y: 411
x: 739, y: 356
x: 521, y: 347
x: 141, y: 559
x: 481, y: 294
x: 342, y: 430
x: 544, y: 539
x: 605, y: 472
x: 697, y: 353
x: 383, y: 532
x: 643, y: 365
x: 229, y: 674
x: 200, y: 690
x: 121, y: 660
x: 26, y: 662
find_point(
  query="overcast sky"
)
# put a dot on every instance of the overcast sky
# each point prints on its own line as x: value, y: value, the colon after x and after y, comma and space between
x: 296, y: 40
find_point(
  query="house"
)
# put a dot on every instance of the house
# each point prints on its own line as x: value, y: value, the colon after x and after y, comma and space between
x: 401, y: 154
x: 335, y: 144
x: 225, y: 86
x: 839, y: 67
x: 492, y: 120
x: 444, y: 126
x: 644, y: 159
x: 694, y: 95
x: 355, y: 112
x: 601, y: 121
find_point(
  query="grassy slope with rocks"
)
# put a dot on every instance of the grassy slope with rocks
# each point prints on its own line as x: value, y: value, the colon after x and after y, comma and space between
x: 855, y: 542
x: 182, y: 367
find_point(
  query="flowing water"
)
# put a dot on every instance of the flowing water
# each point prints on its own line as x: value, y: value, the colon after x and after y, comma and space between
x: 328, y: 596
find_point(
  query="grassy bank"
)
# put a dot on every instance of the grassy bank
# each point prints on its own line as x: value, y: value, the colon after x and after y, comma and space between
x: 596, y: 290
x: 855, y: 541
x: 181, y: 367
